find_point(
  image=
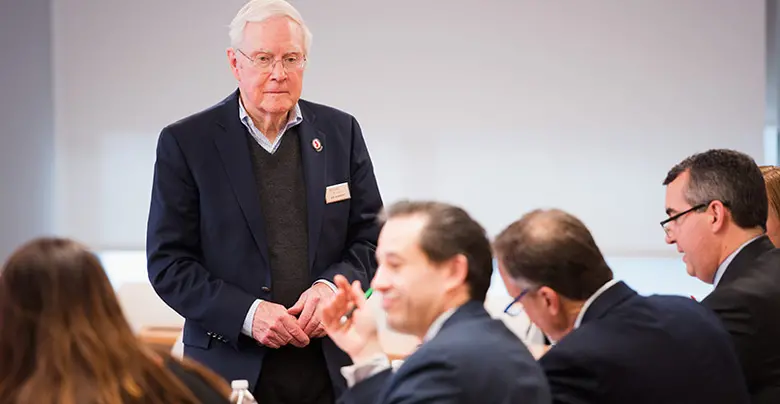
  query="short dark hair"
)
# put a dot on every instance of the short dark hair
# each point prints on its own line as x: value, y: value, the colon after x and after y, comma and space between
x: 450, y: 231
x: 553, y: 248
x: 728, y: 176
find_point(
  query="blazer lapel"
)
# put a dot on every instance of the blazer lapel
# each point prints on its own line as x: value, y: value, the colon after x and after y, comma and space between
x: 235, y: 154
x: 314, y: 157
x: 610, y: 298
x: 742, y: 261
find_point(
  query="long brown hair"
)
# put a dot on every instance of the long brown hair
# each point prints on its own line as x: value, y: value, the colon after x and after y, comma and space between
x: 65, y: 340
x: 772, y: 180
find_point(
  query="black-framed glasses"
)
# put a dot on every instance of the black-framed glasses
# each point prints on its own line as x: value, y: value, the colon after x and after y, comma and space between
x: 665, y: 223
x: 514, y: 308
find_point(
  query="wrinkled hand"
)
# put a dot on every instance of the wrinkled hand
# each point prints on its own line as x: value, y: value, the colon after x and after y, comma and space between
x: 273, y: 327
x: 308, y: 309
x: 358, y: 336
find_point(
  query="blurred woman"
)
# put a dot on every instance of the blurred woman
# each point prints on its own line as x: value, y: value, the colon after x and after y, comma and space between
x: 65, y: 340
x: 772, y: 180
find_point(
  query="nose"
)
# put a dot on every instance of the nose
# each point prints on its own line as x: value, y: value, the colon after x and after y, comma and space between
x: 278, y: 72
x: 669, y: 238
x: 380, y: 283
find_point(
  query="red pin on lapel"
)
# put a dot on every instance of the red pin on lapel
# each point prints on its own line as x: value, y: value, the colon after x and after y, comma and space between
x: 317, y: 145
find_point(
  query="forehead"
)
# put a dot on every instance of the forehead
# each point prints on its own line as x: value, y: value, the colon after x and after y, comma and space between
x: 401, y: 235
x: 272, y: 34
x: 675, y: 191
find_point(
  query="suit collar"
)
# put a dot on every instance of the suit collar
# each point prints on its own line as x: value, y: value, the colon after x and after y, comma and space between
x: 470, y: 309
x: 608, y: 299
x: 235, y: 155
x: 740, y: 265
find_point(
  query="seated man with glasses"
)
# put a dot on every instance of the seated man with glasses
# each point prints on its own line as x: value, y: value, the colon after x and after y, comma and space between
x: 718, y: 206
x: 611, y: 345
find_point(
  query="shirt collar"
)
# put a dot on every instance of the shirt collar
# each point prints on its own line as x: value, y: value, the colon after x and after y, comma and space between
x: 592, y: 299
x: 293, y: 119
x: 723, y: 265
x: 438, y: 323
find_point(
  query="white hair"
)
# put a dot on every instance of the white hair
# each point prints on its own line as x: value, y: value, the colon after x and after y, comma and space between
x: 261, y: 10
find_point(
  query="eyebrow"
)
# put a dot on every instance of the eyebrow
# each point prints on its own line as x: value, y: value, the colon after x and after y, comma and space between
x: 670, y: 211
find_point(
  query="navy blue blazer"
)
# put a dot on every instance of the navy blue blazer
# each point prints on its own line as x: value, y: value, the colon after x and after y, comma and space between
x: 635, y: 349
x: 472, y: 359
x: 206, y: 249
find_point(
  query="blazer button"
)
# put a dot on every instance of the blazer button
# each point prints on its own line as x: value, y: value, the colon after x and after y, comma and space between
x: 265, y: 289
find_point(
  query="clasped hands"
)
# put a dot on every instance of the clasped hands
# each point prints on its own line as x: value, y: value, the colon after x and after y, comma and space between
x: 275, y: 326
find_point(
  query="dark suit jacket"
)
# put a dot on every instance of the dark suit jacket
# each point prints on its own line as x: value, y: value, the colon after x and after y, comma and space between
x: 747, y: 300
x: 207, y: 254
x: 635, y: 349
x: 472, y: 359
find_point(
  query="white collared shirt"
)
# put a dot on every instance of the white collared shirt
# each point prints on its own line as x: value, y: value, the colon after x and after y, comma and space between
x: 725, y: 264
x: 591, y: 299
x: 294, y: 118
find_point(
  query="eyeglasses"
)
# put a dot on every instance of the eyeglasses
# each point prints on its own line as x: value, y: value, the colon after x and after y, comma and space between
x: 515, y: 308
x: 665, y: 224
x: 266, y: 61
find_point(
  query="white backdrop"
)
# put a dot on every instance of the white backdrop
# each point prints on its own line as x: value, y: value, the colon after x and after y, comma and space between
x: 500, y: 106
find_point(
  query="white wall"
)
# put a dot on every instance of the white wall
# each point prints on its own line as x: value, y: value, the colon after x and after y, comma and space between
x: 26, y: 123
x: 501, y: 106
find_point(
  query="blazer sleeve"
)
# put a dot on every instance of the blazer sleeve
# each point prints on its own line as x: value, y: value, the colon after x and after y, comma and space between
x: 570, y: 381
x: 358, y: 260
x: 174, y: 262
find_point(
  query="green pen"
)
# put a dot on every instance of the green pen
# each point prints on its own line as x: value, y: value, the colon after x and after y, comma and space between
x: 343, y: 320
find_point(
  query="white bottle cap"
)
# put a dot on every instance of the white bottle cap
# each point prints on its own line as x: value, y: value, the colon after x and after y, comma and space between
x: 239, y: 384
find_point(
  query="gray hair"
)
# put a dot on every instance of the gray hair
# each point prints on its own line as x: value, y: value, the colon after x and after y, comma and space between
x: 261, y: 10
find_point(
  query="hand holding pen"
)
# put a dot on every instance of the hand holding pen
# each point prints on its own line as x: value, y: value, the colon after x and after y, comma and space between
x: 349, y: 321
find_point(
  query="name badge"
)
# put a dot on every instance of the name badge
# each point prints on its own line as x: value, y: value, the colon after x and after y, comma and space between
x: 337, y: 193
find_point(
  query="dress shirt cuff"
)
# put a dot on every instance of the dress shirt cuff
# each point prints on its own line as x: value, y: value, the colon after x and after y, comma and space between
x: 250, y: 318
x: 361, y: 371
x: 329, y: 283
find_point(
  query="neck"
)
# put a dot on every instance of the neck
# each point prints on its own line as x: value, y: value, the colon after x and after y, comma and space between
x: 269, y: 124
x: 450, y: 303
x: 736, y: 238
x: 570, y: 310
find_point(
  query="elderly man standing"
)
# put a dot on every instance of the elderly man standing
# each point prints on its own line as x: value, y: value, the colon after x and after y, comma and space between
x: 258, y: 203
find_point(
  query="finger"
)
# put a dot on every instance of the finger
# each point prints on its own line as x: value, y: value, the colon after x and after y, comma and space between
x: 298, y: 306
x: 270, y: 341
x: 298, y: 337
x: 307, y: 322
x: 319, y: 332
x: 280, y: 333
x: 333, y: 310
x: 358, y: 295
x: 342, y: 283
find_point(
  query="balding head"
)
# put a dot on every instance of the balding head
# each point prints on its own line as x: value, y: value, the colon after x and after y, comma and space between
x: 553, y: 248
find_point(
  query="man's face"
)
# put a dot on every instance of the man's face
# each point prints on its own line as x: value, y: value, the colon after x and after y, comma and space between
x: 274, y: 90
x: 692, y: 232
x: 413, y: 288
x: 541, y: 310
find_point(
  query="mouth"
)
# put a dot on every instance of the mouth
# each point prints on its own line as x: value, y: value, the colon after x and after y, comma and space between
x: 276, y: 92
x: 387, y: 302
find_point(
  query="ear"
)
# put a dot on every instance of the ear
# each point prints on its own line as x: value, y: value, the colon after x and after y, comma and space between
x: 718, y: 215
x: 552, y: 302
x: 455, y: 271
x: 233, y: 61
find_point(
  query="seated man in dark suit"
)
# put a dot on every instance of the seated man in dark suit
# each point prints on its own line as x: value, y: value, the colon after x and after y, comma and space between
x: 612, y: 345
x: 434, y: 271
x: 718, y: 206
